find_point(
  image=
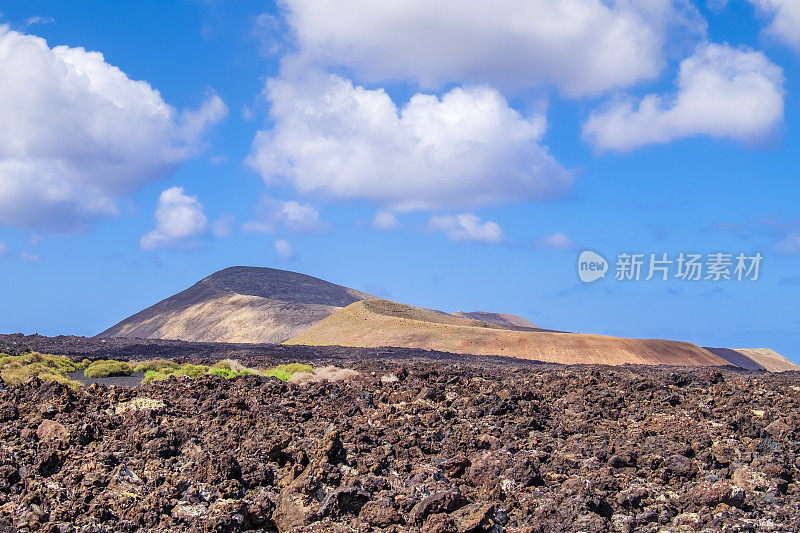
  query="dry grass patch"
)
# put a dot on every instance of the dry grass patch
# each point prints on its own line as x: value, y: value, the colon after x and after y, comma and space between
x: 106, y: 368
x: 325, y: 373
x: 16, y: 369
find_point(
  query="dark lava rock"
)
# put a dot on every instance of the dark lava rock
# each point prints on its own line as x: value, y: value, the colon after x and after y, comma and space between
x: 416, y: 442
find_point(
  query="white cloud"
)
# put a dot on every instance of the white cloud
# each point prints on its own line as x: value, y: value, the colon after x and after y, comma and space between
x: 3, y: 248
x: 466, y: 227
x: 722, y: 92
x: 267, y: 30
x: 77, y: 134
x: 300, y: 217
x: 785, y: 20
x: 385, y: 220
x: 580, y: 46
x: 467, y: 149
x: 30, y: 21
x: 284, y: 250
x: 556, y: 241
x: 294, y: 216
x: 223, y: 226
x: 179, y: 217
x: 28, y: 257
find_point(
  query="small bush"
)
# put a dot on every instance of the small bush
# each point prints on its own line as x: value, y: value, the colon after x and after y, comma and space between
x: 166, y: 371
x: 192, y: 371
x: 154, y: 364
x: 285, y: 372
x: 16, y: 369
x: 154, y: 375
x: 106, y: 367
x: 280, y: 374
x: 223, y: 372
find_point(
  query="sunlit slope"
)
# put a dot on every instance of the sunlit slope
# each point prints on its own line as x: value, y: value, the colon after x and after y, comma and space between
x: 755, y: 359
x: 381, y: 323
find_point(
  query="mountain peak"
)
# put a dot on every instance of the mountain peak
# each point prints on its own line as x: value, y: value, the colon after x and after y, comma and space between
x: 240, y: 304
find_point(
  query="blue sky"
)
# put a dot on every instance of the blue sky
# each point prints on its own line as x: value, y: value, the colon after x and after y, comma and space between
x: 213, y: 134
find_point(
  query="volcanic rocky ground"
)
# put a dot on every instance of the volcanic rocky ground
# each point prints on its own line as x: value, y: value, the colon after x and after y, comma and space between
x: 415, y: 442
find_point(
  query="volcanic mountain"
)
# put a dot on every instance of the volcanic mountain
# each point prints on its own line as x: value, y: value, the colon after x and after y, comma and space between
x: 265, y: 305
x: 240, y: 304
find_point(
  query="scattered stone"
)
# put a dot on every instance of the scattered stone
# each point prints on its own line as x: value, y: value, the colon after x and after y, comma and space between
x: 447, y: 446
x: 51, y: 430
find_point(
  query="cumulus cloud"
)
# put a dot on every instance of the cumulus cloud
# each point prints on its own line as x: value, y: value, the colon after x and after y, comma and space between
x: 556, y: 241
x: 467, y: 148
x: 385, y: 220
x: 77, y: 134
x: 284, y: 250
x: 296, y: 217
x: 785, y: 20
x: 179, y: 217
x: 722, y: 92
x: 466, y: 227
x: 580, y: 46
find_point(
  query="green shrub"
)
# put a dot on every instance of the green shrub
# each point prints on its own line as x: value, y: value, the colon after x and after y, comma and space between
x: 191, y: 370
x: 106, y: 367
x: 166, y: 371
x: 154, y: 364
x: 223, y: 372
x: 280, y: 374
x: 154, y: 375
x: 285, y: 372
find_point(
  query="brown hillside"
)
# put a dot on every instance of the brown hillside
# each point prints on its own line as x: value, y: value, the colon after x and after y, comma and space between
x: 755, y: 359
x: 501, y: 319
x: 381, y: 323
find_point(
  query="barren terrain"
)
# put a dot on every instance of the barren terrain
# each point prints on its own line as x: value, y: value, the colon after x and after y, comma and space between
x: 381, y: 323
x: 415, y: 441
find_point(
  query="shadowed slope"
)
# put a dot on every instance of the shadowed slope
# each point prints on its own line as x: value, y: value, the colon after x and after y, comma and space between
x: 381, y: 323
x: 240, y: 304
x: 755, y: 359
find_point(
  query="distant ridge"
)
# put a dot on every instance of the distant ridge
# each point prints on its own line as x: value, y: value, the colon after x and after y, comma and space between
x: 376, y: 323
x: 501, y: 319
x: 266, y: 305
x: 755, y: 359
x: 240, y: 304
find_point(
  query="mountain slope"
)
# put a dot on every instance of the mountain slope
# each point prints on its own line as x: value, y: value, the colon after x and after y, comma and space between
x: 500, y: 319
x: 240, y: 304
x: 755, y: 359
x: 376, y: 323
